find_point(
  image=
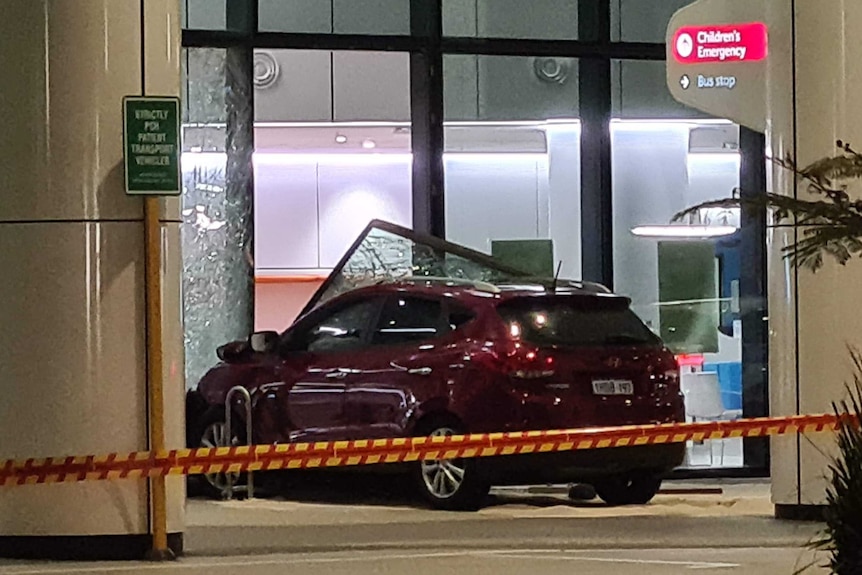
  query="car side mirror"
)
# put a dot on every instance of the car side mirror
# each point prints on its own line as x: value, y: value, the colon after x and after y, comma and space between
x: 263, y: 341
x: 233, y: 352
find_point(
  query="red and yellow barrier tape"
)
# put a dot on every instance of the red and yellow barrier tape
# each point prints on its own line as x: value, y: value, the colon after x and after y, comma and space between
x: 377, y: 451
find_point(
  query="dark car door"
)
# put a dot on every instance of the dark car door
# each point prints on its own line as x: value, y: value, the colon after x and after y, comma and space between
x: 410, y: 360
x: 306, y: 399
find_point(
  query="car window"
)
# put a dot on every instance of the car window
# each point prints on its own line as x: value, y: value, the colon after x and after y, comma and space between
x: 574, y: 321
x: 409, y: 319
x: 344, y: 329
x: 458, y: 315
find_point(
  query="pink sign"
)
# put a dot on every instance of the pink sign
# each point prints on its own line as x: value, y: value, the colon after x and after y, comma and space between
x: 724, y: 43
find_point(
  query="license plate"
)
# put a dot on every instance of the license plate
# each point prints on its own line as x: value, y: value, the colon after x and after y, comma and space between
x: 613, y: 387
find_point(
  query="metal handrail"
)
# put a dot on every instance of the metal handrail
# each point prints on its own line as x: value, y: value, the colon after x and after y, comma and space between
x: 228, y: 415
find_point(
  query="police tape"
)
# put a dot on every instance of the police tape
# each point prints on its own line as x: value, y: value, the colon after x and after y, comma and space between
x: 205, y: 461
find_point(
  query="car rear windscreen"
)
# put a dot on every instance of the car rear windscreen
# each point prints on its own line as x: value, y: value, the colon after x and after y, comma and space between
x: 576, y: 321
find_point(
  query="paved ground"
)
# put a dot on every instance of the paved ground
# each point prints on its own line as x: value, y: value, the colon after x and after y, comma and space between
x: 509, y: 561
x: 380, y: 517
x: 317, y: 529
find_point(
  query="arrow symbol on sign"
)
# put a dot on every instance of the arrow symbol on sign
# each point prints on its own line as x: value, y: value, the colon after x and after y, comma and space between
x: 685, y: 82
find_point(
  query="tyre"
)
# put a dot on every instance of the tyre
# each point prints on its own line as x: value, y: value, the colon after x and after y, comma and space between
x: 448, y: 484
x: 210, y: 432
x: 631, y: 489
x: 582, y: 492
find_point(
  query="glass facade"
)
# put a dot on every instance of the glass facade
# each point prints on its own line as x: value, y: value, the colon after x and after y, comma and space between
x: 512, y: 141
x: 682, y: 287
x: 547, y: 131
x: 379, y: 17
x: 642, y: 20
x: 545, y: 19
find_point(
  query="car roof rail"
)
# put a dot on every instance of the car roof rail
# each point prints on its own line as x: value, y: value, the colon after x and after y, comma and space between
x: 589, y: 285
x: 553, y: 285
x: 475, y: 284
x: 489, y: 287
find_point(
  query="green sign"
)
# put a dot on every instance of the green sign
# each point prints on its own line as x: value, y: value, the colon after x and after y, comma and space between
x: 151, y: 134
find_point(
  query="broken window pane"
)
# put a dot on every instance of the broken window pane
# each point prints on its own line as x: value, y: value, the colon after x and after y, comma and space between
x: 387, y: 253
x: 217, y: 281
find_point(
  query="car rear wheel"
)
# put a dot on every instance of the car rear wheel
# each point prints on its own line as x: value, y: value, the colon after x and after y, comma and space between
x: 631, y: 489
x: 449, y: 484
x: 212, y: 432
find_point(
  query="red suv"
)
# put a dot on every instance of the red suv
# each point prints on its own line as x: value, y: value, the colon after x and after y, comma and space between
x: 425, y: 354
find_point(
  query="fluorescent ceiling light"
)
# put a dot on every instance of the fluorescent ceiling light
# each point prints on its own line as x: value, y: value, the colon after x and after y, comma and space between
x: 218, y: 160
x: 467, y: 124
x: 683, y: 231
x: 672, y: 122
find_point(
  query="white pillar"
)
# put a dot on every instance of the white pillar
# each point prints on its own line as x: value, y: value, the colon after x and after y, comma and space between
x: 72, y: 345
x: 813, y: 317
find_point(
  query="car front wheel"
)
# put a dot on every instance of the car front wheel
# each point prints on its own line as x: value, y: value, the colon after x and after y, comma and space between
x: 212, y: 432
x: 449, y: 484
x: 631, y: 489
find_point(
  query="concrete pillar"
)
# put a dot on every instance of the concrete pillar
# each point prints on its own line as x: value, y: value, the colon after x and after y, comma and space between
x: 813, y: 317
x: 72, y: 344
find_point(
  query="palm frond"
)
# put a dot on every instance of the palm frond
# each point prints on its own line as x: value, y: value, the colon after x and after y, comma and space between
x: 842, y: 537
x: 831, y: 226
x: 846, y: 166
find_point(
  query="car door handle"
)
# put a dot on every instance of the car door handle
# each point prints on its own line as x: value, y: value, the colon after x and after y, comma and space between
x: 420, y: 371
x: 336, y: 375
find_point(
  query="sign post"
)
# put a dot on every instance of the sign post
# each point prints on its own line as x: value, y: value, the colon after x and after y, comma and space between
x: 151, y: 144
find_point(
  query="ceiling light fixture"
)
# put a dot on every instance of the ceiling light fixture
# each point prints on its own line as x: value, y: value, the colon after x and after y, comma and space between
x: 369, y: 144
x: 340, y: 139
x: 680, y: 231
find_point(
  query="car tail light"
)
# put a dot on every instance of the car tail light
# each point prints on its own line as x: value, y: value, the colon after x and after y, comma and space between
x: 670, y: 379
x: 514, y: 358
x: 522, y: 362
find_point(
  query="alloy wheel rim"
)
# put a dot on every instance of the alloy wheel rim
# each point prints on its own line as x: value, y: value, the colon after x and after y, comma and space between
x: 443, y: 477
x: 215, y: 435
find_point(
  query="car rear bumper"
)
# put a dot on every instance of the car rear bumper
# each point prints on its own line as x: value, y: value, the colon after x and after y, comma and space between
x: 584, y: 465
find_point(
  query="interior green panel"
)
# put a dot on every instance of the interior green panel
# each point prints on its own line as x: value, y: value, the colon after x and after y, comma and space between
x: 535, y: 257
x: 688, y: 295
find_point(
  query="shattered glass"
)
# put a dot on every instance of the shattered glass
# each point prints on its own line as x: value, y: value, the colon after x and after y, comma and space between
x: 204, y: 87
x: 385, y: 253
x: 218, y: 280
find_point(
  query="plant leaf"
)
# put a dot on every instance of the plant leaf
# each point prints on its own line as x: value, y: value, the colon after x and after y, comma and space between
x: 828, y: 226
